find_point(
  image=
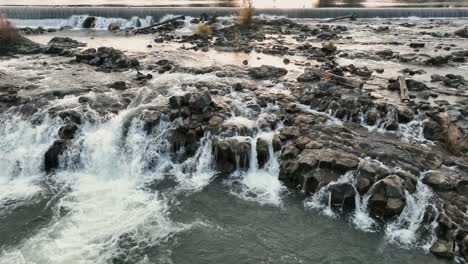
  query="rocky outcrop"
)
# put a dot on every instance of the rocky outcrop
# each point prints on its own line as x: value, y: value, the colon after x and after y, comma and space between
x: 267, y: 72
x: 231, y: 154
x: 51, y: 157
x: 106, y: 59
x: 342, y: 195
x: 388, y: 198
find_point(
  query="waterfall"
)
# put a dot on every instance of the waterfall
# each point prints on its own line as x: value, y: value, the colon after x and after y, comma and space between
x: 105, y: 176
x: 406, y: 229
x: 260, y: 184
x: 159, y: 12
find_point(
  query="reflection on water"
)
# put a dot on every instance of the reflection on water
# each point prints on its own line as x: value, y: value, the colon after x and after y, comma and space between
x: 257, y: 3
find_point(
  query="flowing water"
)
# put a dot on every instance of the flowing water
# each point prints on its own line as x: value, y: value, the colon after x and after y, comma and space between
x: 119, y: 195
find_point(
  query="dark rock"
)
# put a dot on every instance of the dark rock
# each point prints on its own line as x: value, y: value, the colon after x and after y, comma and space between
x: 119, y: 85
x: 289, y: 152
x: 113, y: 27
x: 342, y: 195
x: 277, y: 143
x: 267, y: 72
x: 230, y: 153
x: 463, y: 33
x: 433, y: 130
x: 51, y: 157
x: 67, y: 131
x: 437, y: 181
x: 198, y: 102
x: 308, y: 77
x: 388, y: 198
x: 90, y: 22
x: 437, y: 61
x: 415, y: 45
x: 263, y: 152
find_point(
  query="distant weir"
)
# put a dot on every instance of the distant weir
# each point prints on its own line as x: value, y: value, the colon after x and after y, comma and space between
x: 30, y: 12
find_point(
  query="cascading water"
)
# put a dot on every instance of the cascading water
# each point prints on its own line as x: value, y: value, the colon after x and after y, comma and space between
x: 406, y: 230
x: 105, y: 203
x: 263, y: 182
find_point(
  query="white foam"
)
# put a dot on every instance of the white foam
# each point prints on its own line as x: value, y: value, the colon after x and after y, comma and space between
x: 22, y: 148
x: 404, y: 230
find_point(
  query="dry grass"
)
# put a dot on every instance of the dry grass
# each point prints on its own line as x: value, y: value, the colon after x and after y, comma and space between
x: 204, y: 30
x: 455, y: 140
x: 8, y: 32
x: 246, y: 13
x: 329, y: 46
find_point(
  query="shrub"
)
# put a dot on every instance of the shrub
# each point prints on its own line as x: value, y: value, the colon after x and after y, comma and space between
x: 204, y: 30
x: 246, y: 13
x: 8, y: 32
x: 329, y: 46
x: 455, y: 140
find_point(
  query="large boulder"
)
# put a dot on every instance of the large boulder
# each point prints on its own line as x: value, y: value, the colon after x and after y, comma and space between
x: 198, y: 101
x: 231, y: 154
x: 388, y: 198
x: 267, y: 72
x: 443, y: 249
x: 67, y: 131
x: 106, y: 58
x: 295, y: 173
x: 51, y: 157
x: 342, y: 195
x: 438, y: 181
x: 263, y: 152
x: 333, y: 159
x: 89, y: 22
x: 463, y: 33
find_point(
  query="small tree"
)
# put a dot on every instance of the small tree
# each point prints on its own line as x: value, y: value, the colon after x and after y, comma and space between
x: 204, y: 30
x: 8, y: 32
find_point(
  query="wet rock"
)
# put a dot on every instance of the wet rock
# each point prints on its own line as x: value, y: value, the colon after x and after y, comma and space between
x: 230, y: 153
x: 363, y: 184
x: 437, y: 61
x: 113, y: 27
x: 267, y: 72
x: 308, y: 77
x: 388, y: 198
x: 288, y: 133
x: 443, y: 249
x: 289, y: 152
x: 90, y: 22
x: 21, y: 45
x: 71, y: 116
x: 51, y: 157
x: 416, y: 45
x: 294, y: 173
x: 263, y: 153
x: 106, y: 58
x: 433, y: 130
x: 119, y: 85
x: 333, y: 159
x: 342, y: 195
x: 215, y: 121
x: 464, y: 247
x: 67, y: 131
x: 198, y: 102
x: 386, y: 54
x: 437, y: 181
x: 463, y: 33
x: 277, y: 143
